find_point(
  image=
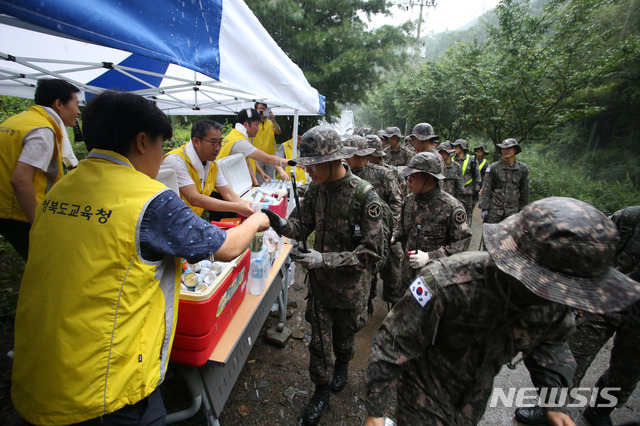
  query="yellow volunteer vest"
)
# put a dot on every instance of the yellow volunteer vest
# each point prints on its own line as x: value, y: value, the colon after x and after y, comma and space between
x: 482, y: 165
x: 12, y: 133
x: 228, y: 142
x: 209, y: 185
x: 265, y: 139
x: 301, y: 177
x: 465, y: 163
x: 94, y: 323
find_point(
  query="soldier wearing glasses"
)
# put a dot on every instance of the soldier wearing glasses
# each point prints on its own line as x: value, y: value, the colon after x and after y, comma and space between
x: 197, y: 172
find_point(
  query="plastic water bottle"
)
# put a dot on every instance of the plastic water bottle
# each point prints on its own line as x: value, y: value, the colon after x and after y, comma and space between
x: 257, y: 274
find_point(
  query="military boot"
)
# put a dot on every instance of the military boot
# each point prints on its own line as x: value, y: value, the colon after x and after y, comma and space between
x: 531, y: 415
x: 315, y: 407
x: 340, y: 370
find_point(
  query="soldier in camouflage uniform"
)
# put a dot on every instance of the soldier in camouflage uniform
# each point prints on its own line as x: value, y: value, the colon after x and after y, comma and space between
x: 397, y: 154
x: 467, y: 315
x: 422, y: 138
x: 505, y: 190
x: 481, y: 152
x: 339, y: 264
x: 452, y: 182
x: 470, y: 176
x: 443, y: 222
x: 594, y: 330
x: 385, y: 183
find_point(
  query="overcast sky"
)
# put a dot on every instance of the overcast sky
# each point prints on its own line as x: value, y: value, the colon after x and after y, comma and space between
x: 447, y: 15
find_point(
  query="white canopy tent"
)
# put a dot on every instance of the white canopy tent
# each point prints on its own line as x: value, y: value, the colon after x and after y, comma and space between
x: 211, y: 57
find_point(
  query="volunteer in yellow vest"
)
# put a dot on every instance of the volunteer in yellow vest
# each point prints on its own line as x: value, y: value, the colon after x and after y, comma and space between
x: 480, y: 153
x: 197, y: 173
x: 33, y: 145
x: 471, y: 177
x: 285, y: 150
x: 237, y: 141
x: 99, y: 297
x: 265, y: 138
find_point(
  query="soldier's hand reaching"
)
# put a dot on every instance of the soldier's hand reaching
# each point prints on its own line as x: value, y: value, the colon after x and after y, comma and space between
x: 418, y: 259
x: 276, y: 222
x: 310, y: 260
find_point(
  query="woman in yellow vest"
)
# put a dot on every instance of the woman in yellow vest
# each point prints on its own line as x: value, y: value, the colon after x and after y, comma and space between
x: 265, y: 139
x: 32, y: 147
x: 286, y: 151
x: 198, y: 175
x: 99, y: 297
x: 237, y: 141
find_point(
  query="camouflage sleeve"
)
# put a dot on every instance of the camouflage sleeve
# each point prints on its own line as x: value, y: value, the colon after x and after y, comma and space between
x: 395, y: 202
x: 524, y: 188
x: 459, y: 236
x: 487, y: 182
x: 398, y: 227
x: 292, y: 228
x: 405, y: 333
x: 369, y: 251
x: 551, y: 364
x: 459, y: 182
x: 477, y: 179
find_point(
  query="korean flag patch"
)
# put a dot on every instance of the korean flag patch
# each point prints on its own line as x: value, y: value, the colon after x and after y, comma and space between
x: 420, y: 291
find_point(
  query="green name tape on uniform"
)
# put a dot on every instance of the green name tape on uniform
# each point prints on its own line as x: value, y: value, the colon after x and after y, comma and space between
x: 420, y: 291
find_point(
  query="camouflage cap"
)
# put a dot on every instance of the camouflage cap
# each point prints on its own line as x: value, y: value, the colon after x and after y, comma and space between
x: 423, y: 131
x: 423, y: 162
x: 382, y: 134
x: 321, y: 144
x: 462, y: 143
x: 510, y: 142
x: 362, y: 131
x: 360, y: 145
x: 374, y: 142
x: 563, y: 249
x: 445, y: 146
x: 393, y: 131
x: 482, y: 147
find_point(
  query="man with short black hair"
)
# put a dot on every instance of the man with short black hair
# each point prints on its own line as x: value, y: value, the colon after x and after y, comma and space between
x: 33, y: 147
x: 98, y: 302
x: 198, y: 175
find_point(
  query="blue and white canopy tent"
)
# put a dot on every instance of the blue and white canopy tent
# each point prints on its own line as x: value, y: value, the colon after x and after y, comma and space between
x: 204, y: 57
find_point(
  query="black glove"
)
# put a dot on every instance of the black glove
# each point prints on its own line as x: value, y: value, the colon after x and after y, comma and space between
x: 276, y: 222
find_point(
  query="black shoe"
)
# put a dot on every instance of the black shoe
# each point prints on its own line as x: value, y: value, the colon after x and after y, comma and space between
x: 315, y: 407
x: 597, y: 417
x: 340, y: 370
x: 531, y: 415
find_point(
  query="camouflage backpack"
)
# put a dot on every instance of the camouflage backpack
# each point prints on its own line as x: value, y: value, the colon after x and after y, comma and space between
x: 355, y: 212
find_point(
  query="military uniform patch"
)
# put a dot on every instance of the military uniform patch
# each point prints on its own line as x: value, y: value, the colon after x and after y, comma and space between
x: 460, y: 216
x: 420, y: 291
x: 374, y: 210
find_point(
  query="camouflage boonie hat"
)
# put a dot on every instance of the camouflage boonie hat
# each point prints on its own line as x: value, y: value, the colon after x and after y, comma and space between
x: 562, y: 249
x: 445, y: 146
x: 382, y: 134
x: 462, y: 143
x: 321, y: 144
x: 393, y: 131
x: 374, y: 142
x: 423, y: 162
x: 360, y: 145
x: 508, y: 143
x: 423, y: 131
x: 482, y: 147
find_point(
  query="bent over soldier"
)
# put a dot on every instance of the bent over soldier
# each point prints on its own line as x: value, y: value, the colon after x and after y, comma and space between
x: 345, y: 252
x: 442, y: 219
x: 467, y: 315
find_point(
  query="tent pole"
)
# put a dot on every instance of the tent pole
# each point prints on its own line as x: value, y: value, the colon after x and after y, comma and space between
x: 294, y: 145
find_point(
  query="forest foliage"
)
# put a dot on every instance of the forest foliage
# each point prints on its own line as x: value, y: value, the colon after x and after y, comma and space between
x: 563, y: 75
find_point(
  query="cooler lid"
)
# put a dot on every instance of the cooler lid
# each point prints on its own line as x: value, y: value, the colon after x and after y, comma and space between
x: 167, y: 175
x: 236, y: 172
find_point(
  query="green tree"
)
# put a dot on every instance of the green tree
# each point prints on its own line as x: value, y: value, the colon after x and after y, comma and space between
x: 330, y: 42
